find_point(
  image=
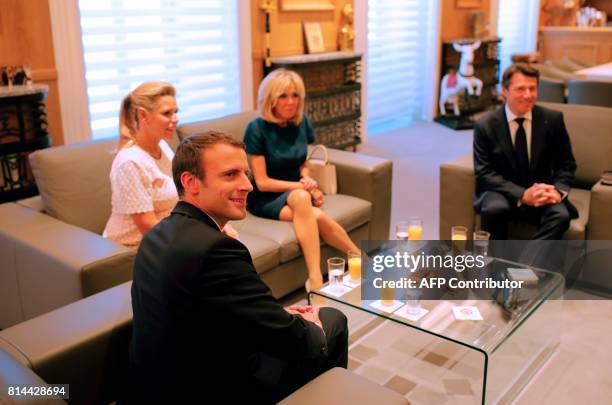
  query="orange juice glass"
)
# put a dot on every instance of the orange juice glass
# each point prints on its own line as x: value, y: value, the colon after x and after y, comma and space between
x: 387, y: 296
x: 354, y: 265
x: 459, y: 237
x: 415, y: 228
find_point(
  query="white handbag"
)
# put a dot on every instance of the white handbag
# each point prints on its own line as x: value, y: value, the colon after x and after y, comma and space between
x: 322, y: 171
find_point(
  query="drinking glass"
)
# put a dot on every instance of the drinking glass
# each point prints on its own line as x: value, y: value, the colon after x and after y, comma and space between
x: 354, y: 265
x: 401, y: 230
x: 481, y: 243
x: 387, y: 296
x: 413, y: 300
x: 415, y: 228
x: 459, y: 238
x: 335, y: 270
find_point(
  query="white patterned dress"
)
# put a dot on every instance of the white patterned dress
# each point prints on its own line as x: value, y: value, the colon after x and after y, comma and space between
x: 139, y: 183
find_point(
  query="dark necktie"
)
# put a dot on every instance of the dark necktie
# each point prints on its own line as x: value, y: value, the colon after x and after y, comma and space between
x: 522, y: 159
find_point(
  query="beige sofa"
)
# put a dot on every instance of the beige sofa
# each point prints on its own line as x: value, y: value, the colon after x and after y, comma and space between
x: 52, y: 254
x: 86, y: 345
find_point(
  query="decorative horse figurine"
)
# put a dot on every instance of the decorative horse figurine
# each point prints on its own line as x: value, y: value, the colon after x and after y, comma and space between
x: 452, y: 83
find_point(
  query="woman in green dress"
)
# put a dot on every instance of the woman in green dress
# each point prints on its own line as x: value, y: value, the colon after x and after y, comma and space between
x: 276, y: 144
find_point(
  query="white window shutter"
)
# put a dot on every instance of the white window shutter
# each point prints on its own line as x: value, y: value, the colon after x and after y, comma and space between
x: 400, y: 55
x: 192, y: 44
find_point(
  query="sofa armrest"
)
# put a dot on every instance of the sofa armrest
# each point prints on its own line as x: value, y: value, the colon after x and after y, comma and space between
x: 599, y: 226
x: 84, y: 344
x: 13, y: 372
x: 340, y: 386
x: 457, y: 185
x: 369, y: 178
x: 50, y: 263
x: 35, y: 203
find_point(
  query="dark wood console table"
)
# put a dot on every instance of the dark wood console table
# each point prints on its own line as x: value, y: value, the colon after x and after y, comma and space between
x: 23, y: 129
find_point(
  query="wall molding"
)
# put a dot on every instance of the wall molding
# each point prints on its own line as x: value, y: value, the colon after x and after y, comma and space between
x: 70, y: 74
x: 361, y: 45
x: 246, y: 55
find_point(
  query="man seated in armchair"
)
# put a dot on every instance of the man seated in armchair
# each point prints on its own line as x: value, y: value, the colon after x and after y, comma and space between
x: 523, y: 162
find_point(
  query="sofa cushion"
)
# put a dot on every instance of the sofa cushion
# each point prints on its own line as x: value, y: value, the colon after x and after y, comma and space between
x: 349, y: 212
x: 73, y: 181
x: 265, y: 253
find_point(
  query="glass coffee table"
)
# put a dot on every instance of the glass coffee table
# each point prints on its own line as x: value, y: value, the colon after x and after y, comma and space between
x: 442, y: 357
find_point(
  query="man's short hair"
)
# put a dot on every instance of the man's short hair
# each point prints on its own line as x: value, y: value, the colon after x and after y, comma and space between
x: 523, y: 68
x: 188, y: 156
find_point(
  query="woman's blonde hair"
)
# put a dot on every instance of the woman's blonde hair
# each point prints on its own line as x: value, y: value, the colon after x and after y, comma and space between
x: 144, y: 96
x: 275, y: 84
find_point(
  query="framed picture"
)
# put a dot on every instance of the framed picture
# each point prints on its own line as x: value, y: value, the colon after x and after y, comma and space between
x: 314, y: 37
x: 468, y: 3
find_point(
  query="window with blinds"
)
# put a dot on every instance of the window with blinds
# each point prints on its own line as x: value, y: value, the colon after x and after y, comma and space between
x: 401, y: 56
x: 517, y: 28
x: 192, y: 44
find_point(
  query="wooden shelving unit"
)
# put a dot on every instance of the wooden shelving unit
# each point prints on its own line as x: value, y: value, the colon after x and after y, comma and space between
x: 23, y: 129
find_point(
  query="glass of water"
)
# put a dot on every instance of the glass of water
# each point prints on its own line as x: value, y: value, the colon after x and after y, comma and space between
x: 402, y: 230
x: 335, y: 271
x: 481, y: 243
x: 413, y: 300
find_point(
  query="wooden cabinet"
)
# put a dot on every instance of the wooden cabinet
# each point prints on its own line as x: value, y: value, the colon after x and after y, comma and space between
x: 333, y: 94
x: 23, y: 129
x: 591, y: 45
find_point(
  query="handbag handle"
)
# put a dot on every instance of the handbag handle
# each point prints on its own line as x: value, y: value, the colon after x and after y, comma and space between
x: 319, y: 146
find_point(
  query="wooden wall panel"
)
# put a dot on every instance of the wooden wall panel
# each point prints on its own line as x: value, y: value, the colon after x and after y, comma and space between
x: 26, y: 38
x: 455, y: 22
x: 286, y: 33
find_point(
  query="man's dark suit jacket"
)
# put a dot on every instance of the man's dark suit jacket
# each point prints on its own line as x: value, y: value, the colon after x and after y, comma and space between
x: 551, y: 160
x: 205, y: 325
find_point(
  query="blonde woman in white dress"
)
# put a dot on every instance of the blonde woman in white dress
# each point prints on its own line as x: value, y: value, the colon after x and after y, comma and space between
x: 143, y: 191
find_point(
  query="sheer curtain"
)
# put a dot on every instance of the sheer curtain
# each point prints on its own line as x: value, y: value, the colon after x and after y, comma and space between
x: 193, y: 44
x: 402, y: 55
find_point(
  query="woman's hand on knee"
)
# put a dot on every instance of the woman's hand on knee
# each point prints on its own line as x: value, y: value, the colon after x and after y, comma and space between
x: 317, y: 197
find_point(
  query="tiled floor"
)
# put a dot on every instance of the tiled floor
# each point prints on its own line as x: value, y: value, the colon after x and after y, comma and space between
x: 429, y: 371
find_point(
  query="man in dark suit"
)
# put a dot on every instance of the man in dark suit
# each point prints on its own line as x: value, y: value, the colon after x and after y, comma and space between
x: 205, y: 325
x: 523, y: 162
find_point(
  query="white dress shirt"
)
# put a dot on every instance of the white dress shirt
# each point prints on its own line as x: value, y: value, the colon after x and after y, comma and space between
x: 514, y: 127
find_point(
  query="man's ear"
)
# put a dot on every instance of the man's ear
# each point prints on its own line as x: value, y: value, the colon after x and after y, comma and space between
x: 504, y: 93
x: 190, y: 183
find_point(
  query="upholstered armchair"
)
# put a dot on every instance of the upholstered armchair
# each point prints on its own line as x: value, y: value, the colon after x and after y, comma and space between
x: 590, y: 130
